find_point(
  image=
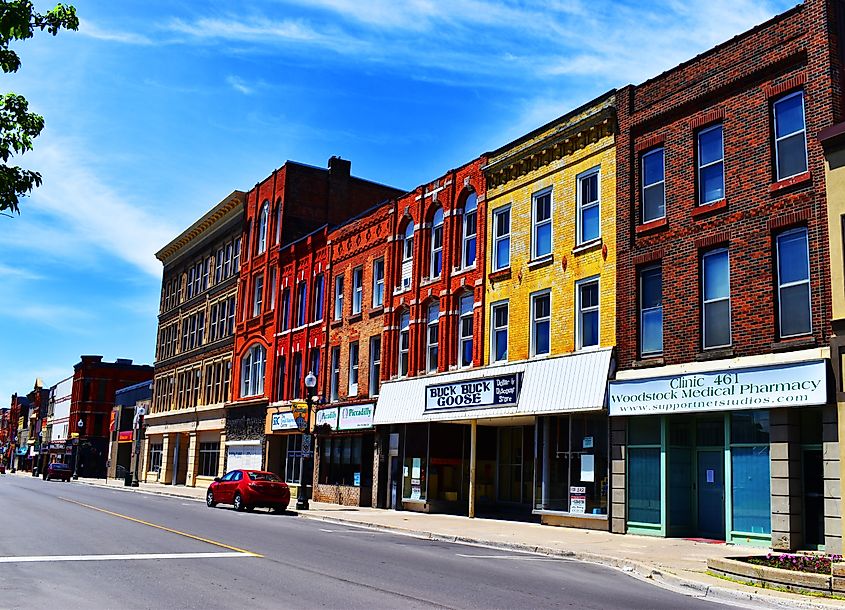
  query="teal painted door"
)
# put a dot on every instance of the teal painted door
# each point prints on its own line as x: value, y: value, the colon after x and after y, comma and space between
x: 711, y: 495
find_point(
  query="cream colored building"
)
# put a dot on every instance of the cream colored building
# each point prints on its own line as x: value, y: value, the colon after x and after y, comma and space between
x: 185, y: 441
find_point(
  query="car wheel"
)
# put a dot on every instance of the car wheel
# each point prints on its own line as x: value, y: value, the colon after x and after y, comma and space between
x: 238, y: 502
x: 209, y: 499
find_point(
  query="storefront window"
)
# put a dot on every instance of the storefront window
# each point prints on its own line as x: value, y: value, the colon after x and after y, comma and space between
x: 448, y: 447
x: 292, y: 458
x: 209, y: 455
x: 572, y: 459
x: 644, y: 493
x: 346, y: 460
x: 415, y: 464
x: 751, y: 500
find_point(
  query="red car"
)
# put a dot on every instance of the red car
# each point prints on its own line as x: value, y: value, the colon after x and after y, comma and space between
x: 58, y: 471
x: 247, y: 489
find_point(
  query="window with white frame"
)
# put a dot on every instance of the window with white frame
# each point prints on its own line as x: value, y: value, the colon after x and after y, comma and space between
x: 357, y: 290
x: 651, y: 310
x: 541, y: 322
x: 378, y: 282
x: 711, y: 165
x: 281, y: 377
x: 499, y: 342
x: 436, y: 259
x: 206, y: 266
x: 470, y: 229
x: 263, y: 218
x: 541, y: 224
x: 296, y: 381
x: 653, y: 185
x: 589, y: 222
x: 278, y: 221
x: 790, y: 135
x: 353, y: 368
x: 273, y: 287
x: 375, y: 365
x: 404, y: 342
x: 338, y: 297
x: 501, y: 238
x: 335, y: 380
x: 432, y: 339
x: 301, y: 303
x: 793, y: 269
x: 716, y: 298
x: 257, y: 294
x: 236, y: 257
x: 252, y: 371
x: 465, y: 330
x: 588, y: 313
x: 286, y: 309
x: 318, y: 299
x: 314, y: 364
x: 407, y: 256
x: 218, y: 266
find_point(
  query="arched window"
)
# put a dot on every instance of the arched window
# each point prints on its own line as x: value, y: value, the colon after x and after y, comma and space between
x: 470, y: 229
x: 252, y: 371
x: 278, y: 221
x: 432, y: 338
x: 465, y: 330
x: 407, y: 255
x: 436, y: 244
x: 263, y: 217
x: 404, y: 342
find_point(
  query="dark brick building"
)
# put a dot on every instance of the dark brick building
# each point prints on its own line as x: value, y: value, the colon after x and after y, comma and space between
x: 723, y: 289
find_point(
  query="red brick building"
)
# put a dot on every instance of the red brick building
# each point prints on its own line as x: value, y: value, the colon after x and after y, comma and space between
x: 723, y: 290
x: 92, y: 401
x: 286, y: 218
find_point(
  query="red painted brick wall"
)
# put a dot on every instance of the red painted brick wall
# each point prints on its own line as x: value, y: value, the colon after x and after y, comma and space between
x: 734, y: 83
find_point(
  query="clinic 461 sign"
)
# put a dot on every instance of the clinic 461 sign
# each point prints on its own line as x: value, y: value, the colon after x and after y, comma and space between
x: 500, y: 391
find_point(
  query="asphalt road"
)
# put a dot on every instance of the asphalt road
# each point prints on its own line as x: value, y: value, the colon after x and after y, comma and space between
x: 74, y: 546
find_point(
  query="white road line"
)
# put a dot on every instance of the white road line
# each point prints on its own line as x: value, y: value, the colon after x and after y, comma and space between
x: 50, y: 558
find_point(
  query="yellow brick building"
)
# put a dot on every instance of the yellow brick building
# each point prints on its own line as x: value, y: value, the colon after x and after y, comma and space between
x: 554, y: 173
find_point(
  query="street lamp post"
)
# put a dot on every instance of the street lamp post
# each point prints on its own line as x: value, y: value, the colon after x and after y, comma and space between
x: 79, y: 424
x: 310, y: 388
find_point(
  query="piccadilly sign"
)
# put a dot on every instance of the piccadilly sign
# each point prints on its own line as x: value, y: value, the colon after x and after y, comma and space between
x: 356, y: 417
x: 500, y: 391
x: 764, y: 387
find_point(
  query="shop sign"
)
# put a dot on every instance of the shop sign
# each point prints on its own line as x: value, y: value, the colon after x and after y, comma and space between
x: 327, y: 417
x: 578, y: 500
x: 356, y: 417
x: 500, y: 391
x: 283, y: 421
x: 125, y: 436
x: 764, y: 387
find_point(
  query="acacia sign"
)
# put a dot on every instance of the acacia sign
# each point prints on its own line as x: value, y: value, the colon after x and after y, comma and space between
x: 500, y: 391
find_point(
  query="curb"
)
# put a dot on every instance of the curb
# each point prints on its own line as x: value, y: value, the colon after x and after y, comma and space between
x: 634, y: 569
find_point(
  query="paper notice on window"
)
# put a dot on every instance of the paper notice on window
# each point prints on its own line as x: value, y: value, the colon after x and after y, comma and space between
x: 588, y: 468
x: 416, y: 468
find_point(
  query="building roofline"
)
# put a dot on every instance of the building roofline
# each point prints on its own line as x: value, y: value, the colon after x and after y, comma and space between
x: 136, y: 386
x: 230, y: 202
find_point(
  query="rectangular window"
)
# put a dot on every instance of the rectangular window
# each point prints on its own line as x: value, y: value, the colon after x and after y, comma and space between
x: 378, y: 282
x: 318, y: 298
x: 209, y: 459
x: 206, y: 265
x: 338, y: 298
x: 236, y: 259
x: 499, y: 315
x: 335, y: 381
x: 541, y: 317
x: 470, y: 230
x: 257, y: 294
x: 501, y: 238
x: 404, y: 343
x: 293, y: 458
x: 652, y: 178
x: 190, y: 285
x: 301, y: 303
x: 588, y: 313
x: 281, y: 376
x: 357, y: 290
x: 353, y: 369
x: 716, y: 298
x: 375, y: 365
x: 232, y: 315
x: 156, y: 450
x: 465, y: 332
x: 296, y: 388
x: 651, y: 311
x: 227, y: 268
x: 286, y: 309
x: 432, y: 339
x: 273, y: 287
x: 589, y: 226
x: 711, y: 165
x: 212, y: 331
x: 790, y: 136
x: 218, y: 266
x: 793, y: 272
x: 541, y: 223
x: 314, y: 363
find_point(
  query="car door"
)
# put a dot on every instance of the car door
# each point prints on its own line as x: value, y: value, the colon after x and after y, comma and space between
x: 225, y: 488
x: 237, y: 477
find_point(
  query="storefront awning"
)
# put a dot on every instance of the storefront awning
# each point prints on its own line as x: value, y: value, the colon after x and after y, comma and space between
x: 575, y: 382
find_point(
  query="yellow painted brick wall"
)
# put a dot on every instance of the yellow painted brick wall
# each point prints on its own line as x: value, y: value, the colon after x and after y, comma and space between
x: 561, y: 175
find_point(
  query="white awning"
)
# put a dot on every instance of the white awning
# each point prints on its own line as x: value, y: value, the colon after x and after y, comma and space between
x: 562, y: 384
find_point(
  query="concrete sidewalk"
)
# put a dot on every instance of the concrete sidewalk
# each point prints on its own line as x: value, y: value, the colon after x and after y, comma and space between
x: 672, y: 562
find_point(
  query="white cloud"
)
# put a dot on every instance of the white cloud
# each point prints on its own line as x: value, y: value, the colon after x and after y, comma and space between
x: 18, y: 273
x: 87, y: 28
x: 59, y: 317
x: 239, y: 85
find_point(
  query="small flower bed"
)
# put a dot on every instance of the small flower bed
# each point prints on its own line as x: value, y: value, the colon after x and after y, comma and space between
x: 815, y: 564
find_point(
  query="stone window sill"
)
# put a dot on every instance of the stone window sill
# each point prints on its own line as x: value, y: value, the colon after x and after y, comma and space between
x: 541, y: 262
x: 703, y: 211
x: 648, y: 362
x: 790, y: 182
x: 501, y: 274
x: 793, y: 343
x: 588, y: 246
x: 654, y: 225
x: 718, y: 353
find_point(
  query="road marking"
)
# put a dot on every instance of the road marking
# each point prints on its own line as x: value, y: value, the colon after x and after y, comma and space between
x: 515, y: 557
x: 50, y: 558
x: 161, y: 527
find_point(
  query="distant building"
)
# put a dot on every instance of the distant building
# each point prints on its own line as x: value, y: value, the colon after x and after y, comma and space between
x: 123, y: 437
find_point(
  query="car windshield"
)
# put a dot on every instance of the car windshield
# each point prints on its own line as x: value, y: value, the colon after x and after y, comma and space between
x: 263, y: 476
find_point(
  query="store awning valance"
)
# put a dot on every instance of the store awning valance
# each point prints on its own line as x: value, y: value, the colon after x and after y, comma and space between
x: 575, y: 382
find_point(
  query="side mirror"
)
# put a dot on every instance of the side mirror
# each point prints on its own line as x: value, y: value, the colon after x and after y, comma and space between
x: 217, y: 479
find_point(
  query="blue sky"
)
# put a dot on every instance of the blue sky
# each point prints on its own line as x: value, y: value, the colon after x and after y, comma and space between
x: 156, y: 110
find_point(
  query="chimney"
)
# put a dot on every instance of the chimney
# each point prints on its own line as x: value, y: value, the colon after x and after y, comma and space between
x: 338, y: 183
x: 122, y: 361
x: 91, y: 359
x: 339, y: 168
